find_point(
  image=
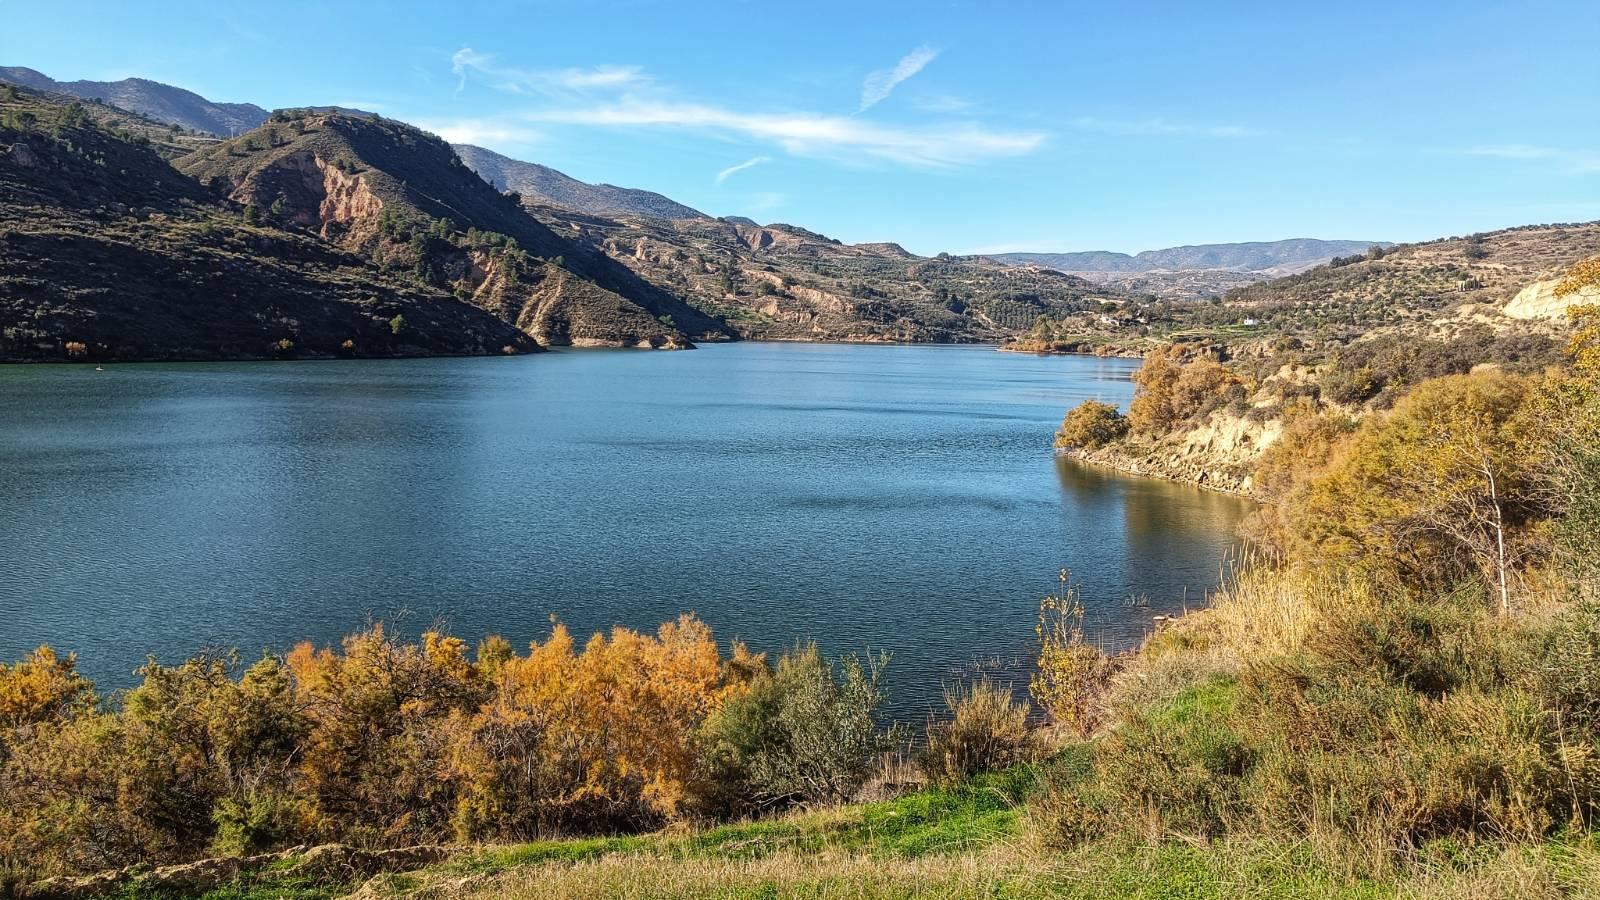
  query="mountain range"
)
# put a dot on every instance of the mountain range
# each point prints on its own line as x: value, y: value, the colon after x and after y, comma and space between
x: 1253, y: 256
x: 109, y: 252
x: 324, y: 232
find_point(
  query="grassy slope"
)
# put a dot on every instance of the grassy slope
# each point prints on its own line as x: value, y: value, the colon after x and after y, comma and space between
x: 968, y: 841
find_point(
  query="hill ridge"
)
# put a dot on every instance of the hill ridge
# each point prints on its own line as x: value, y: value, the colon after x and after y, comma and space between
x: 402, y: 197
x: 545, y: 184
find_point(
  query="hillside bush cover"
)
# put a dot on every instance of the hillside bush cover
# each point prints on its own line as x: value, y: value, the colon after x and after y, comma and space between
x: 1413, y: 676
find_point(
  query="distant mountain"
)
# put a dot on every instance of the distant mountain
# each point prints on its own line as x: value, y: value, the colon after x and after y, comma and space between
x: 546, y: 185
x: 1190, y: 272
x: 402, y: 198
x: 151, y: 99
x: 1252, y: 256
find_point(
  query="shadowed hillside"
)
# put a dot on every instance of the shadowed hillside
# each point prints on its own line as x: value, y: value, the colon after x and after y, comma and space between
x: 107, y: 252
x: 402, y: 198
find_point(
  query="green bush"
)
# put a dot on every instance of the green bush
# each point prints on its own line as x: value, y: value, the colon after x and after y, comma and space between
x: 804, y: 732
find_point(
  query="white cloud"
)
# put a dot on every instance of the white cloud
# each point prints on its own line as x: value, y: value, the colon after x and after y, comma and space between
x: 1575, y: 162
x: 1163, y: 128
x: 752, y: 161
x: 542, y: 81
x: 880, y: 84
x: 483, y: 132
x: 812, y: 134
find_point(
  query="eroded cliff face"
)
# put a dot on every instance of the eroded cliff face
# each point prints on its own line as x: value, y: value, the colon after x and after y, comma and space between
x: 346, y: 198
x: 1540, y: 301
x: 311, y: 192
x: 1218, y: 454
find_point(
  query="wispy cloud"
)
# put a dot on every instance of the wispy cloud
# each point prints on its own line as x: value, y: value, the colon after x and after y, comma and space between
x: 752, y: 161
x: 880, y: 84
x: 1163, y: 128
x: 1574, y: 161
x: 482, y: 131
x: 942, y: 103
x: 812, y: 134
x: 542, y: 81
x: 627, y: 97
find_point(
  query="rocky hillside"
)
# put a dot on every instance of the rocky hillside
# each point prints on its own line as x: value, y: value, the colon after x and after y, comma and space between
x: 782, y: 282
x: 1431, y: 286
x: 107, y: 252
x: 403, y: 199
x: 151, y: 99
x: 1501, y: 281
x: 542, y: 184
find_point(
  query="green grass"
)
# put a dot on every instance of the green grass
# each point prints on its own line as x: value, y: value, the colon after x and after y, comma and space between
x: 931, y: 821
x: 964, y: 841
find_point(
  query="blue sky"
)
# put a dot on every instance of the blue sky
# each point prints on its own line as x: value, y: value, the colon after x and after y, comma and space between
x: 956, y: 126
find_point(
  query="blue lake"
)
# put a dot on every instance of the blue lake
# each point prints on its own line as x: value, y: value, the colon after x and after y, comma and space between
x: 868, y: 497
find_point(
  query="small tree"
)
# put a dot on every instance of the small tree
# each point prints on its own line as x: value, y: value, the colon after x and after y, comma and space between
x: 1091, y: 425
x: 397, y: 324
x: 1070, y: 674
x: 1440, y: 488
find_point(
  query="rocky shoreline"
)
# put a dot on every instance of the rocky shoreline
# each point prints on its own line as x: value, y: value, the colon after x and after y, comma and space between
x: 1221, y: 478
x: 1082, y: 348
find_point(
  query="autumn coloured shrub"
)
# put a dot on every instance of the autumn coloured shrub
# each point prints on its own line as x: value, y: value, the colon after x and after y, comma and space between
x: 1070, y: 674
x: 384, y: 742
x: 1091, y: 425
x: 1171, y: 392
x: 598, y: 737
x: 1449, y: 485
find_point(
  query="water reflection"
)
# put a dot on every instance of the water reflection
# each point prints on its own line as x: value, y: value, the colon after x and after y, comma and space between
x: 1171, y: 541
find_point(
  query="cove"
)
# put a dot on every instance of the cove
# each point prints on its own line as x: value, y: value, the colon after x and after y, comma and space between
x: 898, y: 498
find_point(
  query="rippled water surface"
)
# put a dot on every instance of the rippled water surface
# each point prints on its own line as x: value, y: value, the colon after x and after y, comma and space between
x: 896, y: 498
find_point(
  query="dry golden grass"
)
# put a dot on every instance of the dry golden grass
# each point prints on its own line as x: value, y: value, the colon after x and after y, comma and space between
x: 1224, y: 871
x: 829, y: 874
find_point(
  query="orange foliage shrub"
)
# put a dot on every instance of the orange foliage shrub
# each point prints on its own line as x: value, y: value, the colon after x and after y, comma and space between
x: 41, y: 687
x: 377, y: 742
x: 605, y: 736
